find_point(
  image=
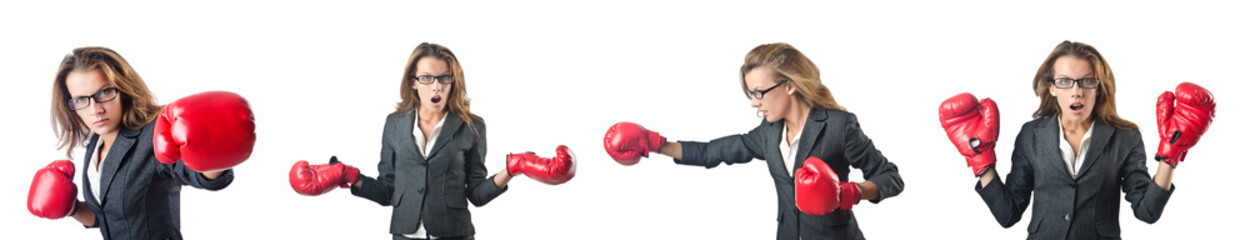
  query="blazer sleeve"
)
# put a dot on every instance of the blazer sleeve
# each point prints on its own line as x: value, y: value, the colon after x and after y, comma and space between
x: 862, y: 154
x: 731, y: 149
x: 1008, y: 201
x: 382, y: 188
x: 186, y: 176
x: 1146, y: 197
x: 481, y: 189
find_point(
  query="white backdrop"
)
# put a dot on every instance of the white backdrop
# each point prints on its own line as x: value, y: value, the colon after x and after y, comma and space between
x: 321, y: 78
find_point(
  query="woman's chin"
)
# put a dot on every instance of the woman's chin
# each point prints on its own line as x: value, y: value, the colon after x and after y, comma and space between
x: 771, y: 119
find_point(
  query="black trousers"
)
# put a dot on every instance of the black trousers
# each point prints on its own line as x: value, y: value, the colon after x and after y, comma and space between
x: 402, y: 237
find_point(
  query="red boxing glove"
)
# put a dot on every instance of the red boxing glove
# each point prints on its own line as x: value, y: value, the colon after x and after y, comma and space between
x: 817, y: 190
x: 320, y: 179
x: 52, y: 192
x: 209, y: 131
x: 1182, y: 123
x: 627, y: 142
x: 973, y: 128
x: 552, y: 171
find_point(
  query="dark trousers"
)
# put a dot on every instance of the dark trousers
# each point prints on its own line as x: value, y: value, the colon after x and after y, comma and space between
x: 401, y: 237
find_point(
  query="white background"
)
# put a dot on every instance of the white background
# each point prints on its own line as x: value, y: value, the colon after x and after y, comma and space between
x: 322, y: 77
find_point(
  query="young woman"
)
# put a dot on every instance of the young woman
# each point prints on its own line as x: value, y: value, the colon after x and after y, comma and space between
x: 801, y: 120
x: 99, y: 100
x: 1075, y: 156
x: 433, y: 153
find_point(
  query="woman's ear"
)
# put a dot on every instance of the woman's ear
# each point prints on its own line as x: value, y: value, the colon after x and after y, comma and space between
x: 790, y: 89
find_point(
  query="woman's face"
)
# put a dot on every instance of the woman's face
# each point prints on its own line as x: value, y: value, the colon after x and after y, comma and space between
x: 1075, y: 103
x: 775, y: 103
x: 101, y: 117
x: 434, y: 95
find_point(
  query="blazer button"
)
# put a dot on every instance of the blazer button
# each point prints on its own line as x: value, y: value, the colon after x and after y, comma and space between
x: 1067, y: 217
x: 421, y: 190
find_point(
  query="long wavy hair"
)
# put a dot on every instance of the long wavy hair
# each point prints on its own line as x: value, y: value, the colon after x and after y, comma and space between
x: 1104, y: 106
x: 138, y: 105
x: 457, y: 102
x: 790, y: 65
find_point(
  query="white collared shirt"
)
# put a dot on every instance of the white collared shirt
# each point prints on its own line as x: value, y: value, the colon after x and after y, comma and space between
x: 1073, y: 160
x: 789, y: 151
x: 423, y: 147
x: 93, y: 170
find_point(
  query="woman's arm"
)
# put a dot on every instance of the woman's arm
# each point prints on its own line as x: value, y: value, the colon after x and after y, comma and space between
x: 671, y: 149
x: 1008, y: 200
x: 988, y: 176
x: 379, y: 190
x: 479, y: 188
x: 84, y: 214
x: 881, y: 178
x: 213, y: 180
x: 1146, y: 197
x: 212, y: 175
x: 502, y: 178
x: 1163, y: 177
x: 732, y: 149
x: 868, y: 191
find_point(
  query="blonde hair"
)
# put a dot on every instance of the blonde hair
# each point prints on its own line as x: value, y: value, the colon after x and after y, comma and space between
x: 790, y: 65
x: 1104, y: 106
x: 138, y: 105
x: 457, y: 102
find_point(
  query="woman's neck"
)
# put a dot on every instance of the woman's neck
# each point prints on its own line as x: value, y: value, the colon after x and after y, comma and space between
x: 1075, y: 125
x: 107, y: 138
x: 430, y: 115
x: 797, y: 115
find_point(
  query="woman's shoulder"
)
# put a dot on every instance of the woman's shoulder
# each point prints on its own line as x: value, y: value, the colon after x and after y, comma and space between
x: 832, y: 114
x: 1039, y: 122
x: 400, y: 116
x: 1128, y: 132
x: 146, y: 130
x: 395, y: 115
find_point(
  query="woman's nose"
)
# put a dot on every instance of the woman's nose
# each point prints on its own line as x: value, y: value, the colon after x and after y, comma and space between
x: 755, y: 103
x: 97, y: 108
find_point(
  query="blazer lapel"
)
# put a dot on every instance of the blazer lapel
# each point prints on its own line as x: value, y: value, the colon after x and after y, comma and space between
x: 450, y: 126
x: 114, y: 158
x: 1101, y: 135
x: 1048, y: 147
x: 86, y: 166
x: 811, y: 131
x: 772, y: 155
x: 403, y: 137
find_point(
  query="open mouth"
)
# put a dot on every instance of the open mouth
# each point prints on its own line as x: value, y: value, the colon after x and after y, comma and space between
x: 436, y: 99
x: 1077, y: 107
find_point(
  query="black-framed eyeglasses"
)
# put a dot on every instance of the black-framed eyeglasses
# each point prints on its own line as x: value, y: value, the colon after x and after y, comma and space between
x: 1066, y: 83
x: 104, y: 95
x: 429, y: 79
x: 759, y: 94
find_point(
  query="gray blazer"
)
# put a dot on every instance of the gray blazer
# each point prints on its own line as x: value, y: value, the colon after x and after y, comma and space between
x: 1087, y: 207
x: 432, y: 189
x: 139, y: 193
x: 831, y: 135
